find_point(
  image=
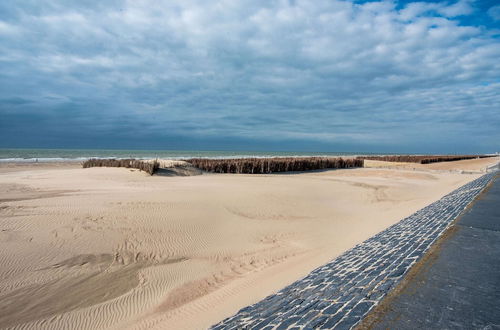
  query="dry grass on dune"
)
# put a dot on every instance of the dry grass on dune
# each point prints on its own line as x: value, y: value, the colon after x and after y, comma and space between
x: 271, y: 165
x: 148, y: 167
x: 450, y: 158
x: 239, y: 165
x: 422, y: 159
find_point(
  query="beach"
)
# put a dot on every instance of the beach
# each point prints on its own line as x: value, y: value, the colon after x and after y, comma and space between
x: 116, y: 248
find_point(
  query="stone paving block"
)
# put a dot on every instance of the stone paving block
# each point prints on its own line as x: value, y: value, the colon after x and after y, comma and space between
x: 346, y: 323
x: 307, y: 317
x: 333, y: 308
x: 287, y: 323
x: 317, y: 322
x: 361, y: 308
x: 262, y: 324
x: 334, y: 319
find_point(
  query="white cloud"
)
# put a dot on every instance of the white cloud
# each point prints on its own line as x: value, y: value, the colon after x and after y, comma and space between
x: 494, y: 12
x: 7, y: 29
x: 416, y: 9
x: 462, y: 7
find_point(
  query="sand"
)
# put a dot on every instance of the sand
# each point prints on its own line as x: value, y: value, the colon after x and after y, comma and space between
x: 117, y: 248
x: 469, y: 165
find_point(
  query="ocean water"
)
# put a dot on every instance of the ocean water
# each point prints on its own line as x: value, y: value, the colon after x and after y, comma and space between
x: 55, y: 155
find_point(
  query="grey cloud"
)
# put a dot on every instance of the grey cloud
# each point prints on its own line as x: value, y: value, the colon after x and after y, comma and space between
x: 323, y: 71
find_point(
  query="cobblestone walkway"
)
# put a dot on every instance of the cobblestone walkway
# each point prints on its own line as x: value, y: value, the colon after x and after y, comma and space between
x: 339, y: 294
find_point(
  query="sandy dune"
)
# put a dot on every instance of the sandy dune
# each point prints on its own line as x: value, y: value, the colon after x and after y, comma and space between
x: 115, y: 248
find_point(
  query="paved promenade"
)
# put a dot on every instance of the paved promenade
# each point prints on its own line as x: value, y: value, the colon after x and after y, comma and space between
x: 339, y: 294
x: 457, y: 285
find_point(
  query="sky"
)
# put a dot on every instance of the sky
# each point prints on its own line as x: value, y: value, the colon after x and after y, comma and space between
x: 323, y: 75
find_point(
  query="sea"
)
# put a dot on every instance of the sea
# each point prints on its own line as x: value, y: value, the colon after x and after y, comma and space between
x: 76, y: 155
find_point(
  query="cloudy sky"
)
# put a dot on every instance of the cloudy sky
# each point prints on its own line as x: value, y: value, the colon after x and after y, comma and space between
x: 322, y: 75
